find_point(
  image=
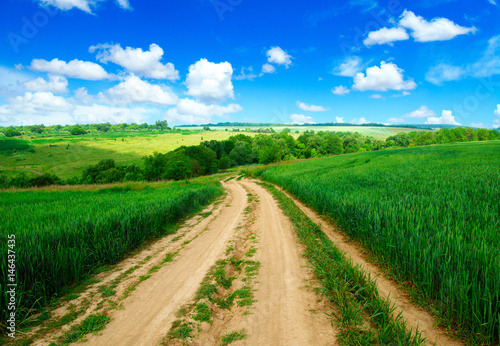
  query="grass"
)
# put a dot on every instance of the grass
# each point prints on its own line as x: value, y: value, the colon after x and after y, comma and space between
x: 233, y: 336
x: 51, y: 153
x: 429, y: 214
x: 91, y: 324
x: 63, y: 235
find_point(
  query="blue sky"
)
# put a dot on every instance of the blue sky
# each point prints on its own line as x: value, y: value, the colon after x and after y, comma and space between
x: 200, y: 61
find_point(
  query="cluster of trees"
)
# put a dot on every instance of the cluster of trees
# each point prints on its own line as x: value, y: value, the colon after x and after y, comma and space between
x: 23, y: 180
x: 443, y: 136
x: 76, y: 130
x: 211, y: 156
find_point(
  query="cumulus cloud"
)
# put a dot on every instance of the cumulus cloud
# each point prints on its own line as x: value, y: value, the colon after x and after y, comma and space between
x: 404, y: 93
x: 386, y: 35
x: 83, y: 5
x: 210, y: 82
x: 446, y: 118
x: 268, y: 68
x: 125, y: 4
x: 497, y: 111
x: 311, y: 108
x: 376, y: 96
x: 359, y: 121
x: 189, y: 111
x: 134, y: 90
x: 350, y: 67
x: 438, y: 29
x: 97, y: 113
x: 55, y: 84
x: 339, y: 120
x: 278, y: 56
x: 340, y: 90
x: 422, y: 112
x: 301, y: 119
x: 143, y: 63
x: 386, y: 77
x: 39, y: 101
x: 74, y: 69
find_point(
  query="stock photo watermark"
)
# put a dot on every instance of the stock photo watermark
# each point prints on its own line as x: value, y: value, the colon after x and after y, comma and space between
x: 484, y: 90
x: 392, y: 10
x: 11, y: 285
x: 30, y: 27
x: 223, y: 6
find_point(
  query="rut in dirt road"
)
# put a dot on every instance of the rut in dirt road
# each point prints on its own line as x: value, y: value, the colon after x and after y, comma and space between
x: 150, y: 310
x: 287, y: 311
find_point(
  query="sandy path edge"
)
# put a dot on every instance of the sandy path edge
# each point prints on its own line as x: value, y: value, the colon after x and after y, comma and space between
x: 415, y: 317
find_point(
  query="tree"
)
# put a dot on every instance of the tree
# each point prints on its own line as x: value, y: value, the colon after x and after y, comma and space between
x: 178, y: 167
x: 161, y: 124
x: 77, y: 130
x: 241, y: 154
x: 11, y: 132
x: 154, y: 166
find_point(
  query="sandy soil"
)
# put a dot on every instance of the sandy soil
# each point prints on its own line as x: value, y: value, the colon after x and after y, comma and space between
x: 286, y: 311
x: 414, y: 316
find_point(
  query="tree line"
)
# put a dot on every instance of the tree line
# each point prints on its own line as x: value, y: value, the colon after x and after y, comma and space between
x: 213, y: 156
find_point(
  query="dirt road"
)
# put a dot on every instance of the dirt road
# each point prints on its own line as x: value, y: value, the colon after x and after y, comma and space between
x: 286, y: 309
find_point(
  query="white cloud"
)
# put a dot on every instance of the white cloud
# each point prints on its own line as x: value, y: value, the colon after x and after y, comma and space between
x: 74, y: 69
x: 496, y: 123
x: 134, y: 90
x: 480, y: 125
x: 66, y: 5
x: 124, y: 4
x: 97, y: 113
x: 339, y: 120
x: 386, y: 35
x: 422, y: 112
x: 446, y: 118
x: 340, y: 90
x: 489, y: 64
x: 83, y: 96
x: 143, y: 63
x: 243, y: 75
x: 444, y: 73
x: 493, y: 2
x: 84, y: 5
x: 497, y: 111
x: 404, y: 93
x: 376, y: 96
x: 268, y: 68
x: 349, y: 67
x: 189, y: 111
x: 386, y: 77
x: 395, y: 120
x: 278, y: 56
x: 311, y: 108
x: 210, y: 82
x: 359, y: 121
x: 300, y: 119
x: 55, y: 84
x: 39, y: 102
x: 438, y: 29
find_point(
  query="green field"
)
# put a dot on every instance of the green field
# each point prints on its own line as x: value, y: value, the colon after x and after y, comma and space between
x: 431, y: 214
x: 65, y: 155
x: 62, y: 235
x: 377, y: 132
